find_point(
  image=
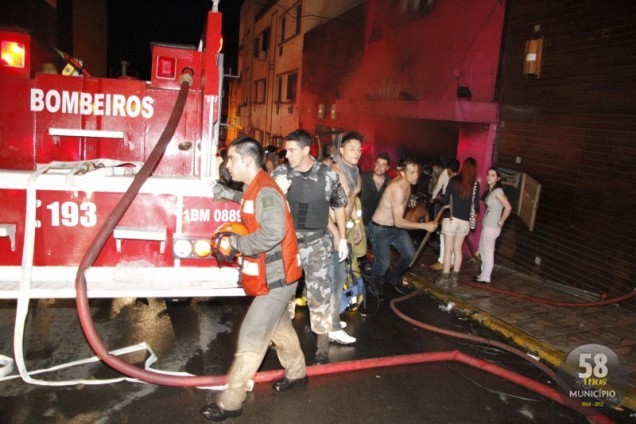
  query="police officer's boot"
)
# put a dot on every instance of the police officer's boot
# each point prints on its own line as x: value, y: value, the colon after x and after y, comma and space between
x: 322, y: 351
x: 442, y: 280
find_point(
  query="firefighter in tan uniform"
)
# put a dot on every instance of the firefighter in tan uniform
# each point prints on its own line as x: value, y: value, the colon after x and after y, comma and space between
x: 270, y: 270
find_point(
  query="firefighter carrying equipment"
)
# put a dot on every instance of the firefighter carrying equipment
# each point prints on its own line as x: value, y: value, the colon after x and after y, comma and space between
x: 254, y: 268
x: 221, y: 248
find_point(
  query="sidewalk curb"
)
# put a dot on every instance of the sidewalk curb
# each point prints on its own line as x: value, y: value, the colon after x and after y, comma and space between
x: 517, y: 337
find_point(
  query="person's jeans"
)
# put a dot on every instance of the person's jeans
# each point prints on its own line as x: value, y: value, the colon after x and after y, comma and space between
x: 383, y: 239
x: 367, y: 230
x: 487, y: 251
x: 337, y: 272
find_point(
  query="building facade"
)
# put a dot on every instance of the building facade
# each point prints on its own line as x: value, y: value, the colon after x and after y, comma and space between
x: 416, y: 78
x: 540, y: 88
x: 266, y: 95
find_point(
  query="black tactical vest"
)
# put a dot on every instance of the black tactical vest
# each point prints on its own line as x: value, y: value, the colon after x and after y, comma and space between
x: 306, y: 198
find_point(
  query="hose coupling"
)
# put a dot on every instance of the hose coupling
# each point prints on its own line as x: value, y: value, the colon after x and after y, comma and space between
x: 187, y: 76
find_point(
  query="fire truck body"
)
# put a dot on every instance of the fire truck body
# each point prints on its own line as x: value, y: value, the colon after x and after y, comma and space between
x: 69, y: 149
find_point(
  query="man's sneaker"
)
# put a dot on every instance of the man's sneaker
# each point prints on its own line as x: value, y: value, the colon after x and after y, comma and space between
x: 437, y: 266
x: 341, y: 337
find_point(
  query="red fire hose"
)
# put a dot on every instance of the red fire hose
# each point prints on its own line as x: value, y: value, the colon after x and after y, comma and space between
x: 494, y: 369
x: 102, y: 237
x: 131, y: 370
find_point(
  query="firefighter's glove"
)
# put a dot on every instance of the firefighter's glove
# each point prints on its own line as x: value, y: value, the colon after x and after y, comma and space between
x: 225, y: 244
x: 220, y: 191
x: 228, y: 246
x: 343, y: 250
x: 222, y: 247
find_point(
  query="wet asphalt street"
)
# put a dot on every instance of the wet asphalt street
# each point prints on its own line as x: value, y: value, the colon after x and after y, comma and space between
x: 199, y: 337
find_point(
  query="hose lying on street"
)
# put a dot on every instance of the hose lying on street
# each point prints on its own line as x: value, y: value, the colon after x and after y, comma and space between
x: 481, y: 364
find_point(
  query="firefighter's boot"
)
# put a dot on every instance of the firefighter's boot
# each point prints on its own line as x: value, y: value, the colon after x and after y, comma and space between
x: 442, y: 280
x: 322, y: 351
x: 452, y: 281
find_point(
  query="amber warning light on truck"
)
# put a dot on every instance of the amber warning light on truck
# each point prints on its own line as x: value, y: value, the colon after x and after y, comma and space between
x: 13, y: 54
x: 184, y: 247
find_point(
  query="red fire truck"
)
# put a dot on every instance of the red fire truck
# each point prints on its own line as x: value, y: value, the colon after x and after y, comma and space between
x: 71, y: 147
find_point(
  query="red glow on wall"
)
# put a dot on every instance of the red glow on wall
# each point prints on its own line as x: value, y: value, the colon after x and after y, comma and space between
x: 398, y: 83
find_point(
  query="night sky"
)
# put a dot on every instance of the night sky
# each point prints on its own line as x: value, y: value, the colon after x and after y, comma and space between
x: 133, y: 25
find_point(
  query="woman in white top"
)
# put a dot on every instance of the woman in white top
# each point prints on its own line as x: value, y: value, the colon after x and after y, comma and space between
x: 497, y: 211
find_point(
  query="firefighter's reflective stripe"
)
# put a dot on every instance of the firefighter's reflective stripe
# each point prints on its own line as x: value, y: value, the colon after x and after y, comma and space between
x: 250, y: 268
x: 248, y: 206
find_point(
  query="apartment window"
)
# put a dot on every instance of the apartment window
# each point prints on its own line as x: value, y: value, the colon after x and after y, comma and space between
x: 283, y: 22
x: 290, y: 22
x: 261, y: 45
x: 299, y: 17
x: 259, y: 91
x: 286, y: 87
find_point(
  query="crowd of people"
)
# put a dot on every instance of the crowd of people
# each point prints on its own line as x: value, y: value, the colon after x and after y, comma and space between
x: 304, y: 217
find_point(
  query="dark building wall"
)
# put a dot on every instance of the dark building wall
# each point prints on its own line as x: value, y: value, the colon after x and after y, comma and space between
x: 415, y: 139
x: 77, y: 27
x: 333, y: 55
x: 89, y: 34
x: 574, y: 130
x: 34, y: 15
x: 393, y: 76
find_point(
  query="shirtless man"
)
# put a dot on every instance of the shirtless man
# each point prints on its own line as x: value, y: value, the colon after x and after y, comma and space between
x: 388, y: 228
